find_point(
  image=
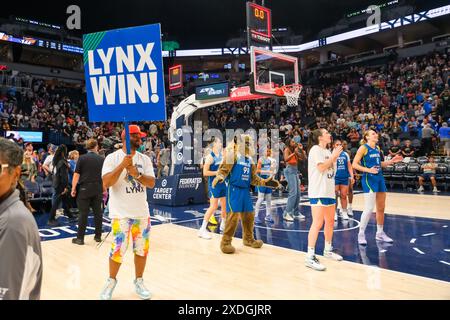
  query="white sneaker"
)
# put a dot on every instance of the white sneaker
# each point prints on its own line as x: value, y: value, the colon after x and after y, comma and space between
x: 362, y: 239
x: 350, y: 212
x: 382, y: 236
x: 435, y: 190
x: 344, y: 215
x: 204, y: 234
x: 314, y: 263
x: 331, y: 255
x: 59, y: 213
x: 288, y: 217
x: 107, y: 291
x: 300, y: 217
x: 141, y: 290
x: 222, y: 225
x: 421, y: 189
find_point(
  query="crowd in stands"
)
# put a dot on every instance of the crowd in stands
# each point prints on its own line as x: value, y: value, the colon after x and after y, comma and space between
x: 406, y: 101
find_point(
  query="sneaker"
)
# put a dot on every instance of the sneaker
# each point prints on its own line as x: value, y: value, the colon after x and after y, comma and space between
x: 300, y: 217
x: 222, y: 225
x: 335, y: 216
x: 331, y: 255
x: 213, y: 220
x: 435, y: 190
x: 108, y: 289
x: 141, y: 290
x: 313, y: 263
x: 421, y: 189
x: 362, y: 239
x: 382, y: 236
x: 288, y: 217
x: 269, y: 219
x: 344, y: 215
x: 350, y: 212
x: 78, y: 241
x: 257, y: 220
x: 204, y: 234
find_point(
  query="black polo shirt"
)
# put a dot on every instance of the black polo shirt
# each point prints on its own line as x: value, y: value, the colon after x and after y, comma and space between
x: 89, y: 167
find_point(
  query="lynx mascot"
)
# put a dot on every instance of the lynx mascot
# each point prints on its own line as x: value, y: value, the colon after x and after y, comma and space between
x: 239, y: 170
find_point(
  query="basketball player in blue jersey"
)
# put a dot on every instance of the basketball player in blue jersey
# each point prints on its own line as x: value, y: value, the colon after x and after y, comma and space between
x: 266, y: 168
x: 368, y: 160
x: 216, y: 194
x: 343, y: 177
x: 239, y: 170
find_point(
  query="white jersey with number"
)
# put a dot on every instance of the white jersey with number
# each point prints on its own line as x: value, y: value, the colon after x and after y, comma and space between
x: 128, y: 197
x: 320, y: 184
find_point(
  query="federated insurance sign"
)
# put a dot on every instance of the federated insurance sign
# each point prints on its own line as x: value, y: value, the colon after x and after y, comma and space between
x: 124, y: 74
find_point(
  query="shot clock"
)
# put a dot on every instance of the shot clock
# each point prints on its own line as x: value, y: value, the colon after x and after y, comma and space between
x: 259, y: 25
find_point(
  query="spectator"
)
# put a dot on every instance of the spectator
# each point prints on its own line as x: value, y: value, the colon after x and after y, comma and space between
x: 395, y: 148
x: 47, y: 166
x: 444, y: 134
x: 28, y: 167
x: 408, y: 150
x: 429, y: 173
x: 21, y: 260
x: 60, y: 184
x: 427, y: 139
x: 354, y: 138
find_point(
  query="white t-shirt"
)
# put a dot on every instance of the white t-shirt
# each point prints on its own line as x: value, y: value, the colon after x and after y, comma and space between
x: 49, y: 162
x: 321, y: 184
x: 128, y: 199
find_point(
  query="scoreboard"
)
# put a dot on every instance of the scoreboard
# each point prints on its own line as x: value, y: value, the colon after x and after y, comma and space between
x: 259, y: 25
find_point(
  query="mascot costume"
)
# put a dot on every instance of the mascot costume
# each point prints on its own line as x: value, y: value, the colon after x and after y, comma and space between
x: 239, y: 170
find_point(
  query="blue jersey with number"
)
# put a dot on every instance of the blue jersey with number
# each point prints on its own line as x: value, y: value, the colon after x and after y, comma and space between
x: 342, y: 171
x: 214, y: 166
x: 240, y: 175
x: 238, y: 195
x: 372, y: 182
x: 372, y: 158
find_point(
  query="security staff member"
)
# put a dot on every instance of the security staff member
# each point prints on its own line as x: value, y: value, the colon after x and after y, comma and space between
x: 88, y: 174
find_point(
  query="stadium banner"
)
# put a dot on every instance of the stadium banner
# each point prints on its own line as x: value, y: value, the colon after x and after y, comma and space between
x: 124, y: 74
x: 178, y: 190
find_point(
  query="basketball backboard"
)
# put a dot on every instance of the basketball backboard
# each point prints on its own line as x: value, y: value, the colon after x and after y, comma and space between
x: 271, y: 70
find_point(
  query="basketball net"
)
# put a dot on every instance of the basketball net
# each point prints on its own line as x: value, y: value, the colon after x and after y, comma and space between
x: 291, y: 92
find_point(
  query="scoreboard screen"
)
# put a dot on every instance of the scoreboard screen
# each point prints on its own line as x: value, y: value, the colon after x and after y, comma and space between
x: 259, y: 24
x: 175, y: 77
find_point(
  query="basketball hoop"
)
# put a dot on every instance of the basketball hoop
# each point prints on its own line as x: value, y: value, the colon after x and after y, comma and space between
x: 291, y: 92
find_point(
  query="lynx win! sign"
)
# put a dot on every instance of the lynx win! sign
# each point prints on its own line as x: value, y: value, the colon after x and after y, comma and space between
x: 124, y: 74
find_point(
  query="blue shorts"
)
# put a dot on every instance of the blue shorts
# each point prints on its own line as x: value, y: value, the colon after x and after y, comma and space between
x: 322, y: 202
x: 264, y: 190
x: 219, y: 191
x: 239, y: 200
x: 427, y: 176
x: 341, y: 181
x: 373, y: 183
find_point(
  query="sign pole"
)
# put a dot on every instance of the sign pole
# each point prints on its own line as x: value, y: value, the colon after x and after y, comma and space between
x: 127, y: 135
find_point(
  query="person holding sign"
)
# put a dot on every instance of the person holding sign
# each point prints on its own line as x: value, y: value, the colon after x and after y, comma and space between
x: 127, y: 176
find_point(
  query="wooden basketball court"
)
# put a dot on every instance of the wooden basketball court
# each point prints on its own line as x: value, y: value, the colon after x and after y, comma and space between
x: 183, y: 266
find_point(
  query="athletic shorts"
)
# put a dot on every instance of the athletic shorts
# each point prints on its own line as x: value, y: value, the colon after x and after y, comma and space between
x: 427, y: 176
x: 373, y: 183
x: 264, y: 190
x: 239, y: 200
x: 322, y: 202
x: 341, y: 181
x: 121, y: 229
x: 219, y: 191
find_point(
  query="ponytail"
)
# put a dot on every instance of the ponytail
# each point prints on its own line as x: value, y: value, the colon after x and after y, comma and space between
x: 313, y: 138
x: 364, y: 139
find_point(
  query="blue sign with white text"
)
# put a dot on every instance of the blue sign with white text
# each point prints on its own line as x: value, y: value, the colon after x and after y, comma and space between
x: 124, y: 74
